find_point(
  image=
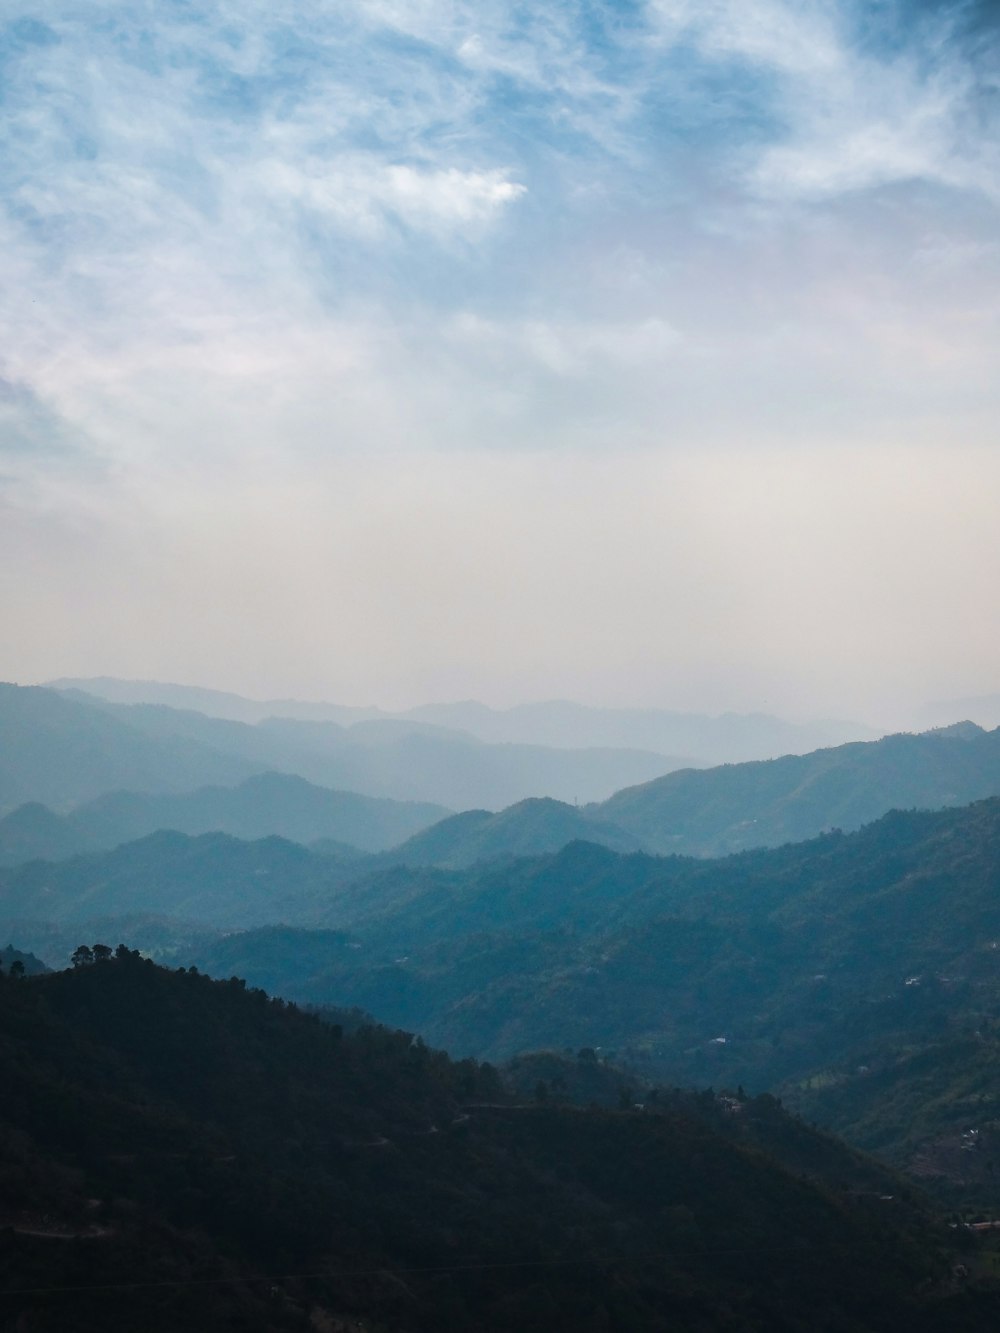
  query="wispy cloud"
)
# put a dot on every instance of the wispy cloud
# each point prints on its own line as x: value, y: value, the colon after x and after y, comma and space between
x: 283, y: 242
x: 850, y: 112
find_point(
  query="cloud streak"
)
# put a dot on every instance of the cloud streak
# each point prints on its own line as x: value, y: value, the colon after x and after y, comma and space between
x: 282, y: 250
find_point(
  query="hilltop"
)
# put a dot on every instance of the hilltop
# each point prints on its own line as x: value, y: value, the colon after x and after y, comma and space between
x: 153, y: 1178
x: 276, y: 804
x: 711, y: 812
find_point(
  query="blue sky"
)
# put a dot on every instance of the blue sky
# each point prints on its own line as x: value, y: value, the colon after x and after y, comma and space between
x: 385, y: 350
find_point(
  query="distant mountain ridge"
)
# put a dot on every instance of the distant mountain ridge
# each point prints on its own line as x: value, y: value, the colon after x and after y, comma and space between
x: 710, y: 812
x: 700, y: 812
x: 556, y: 724
x: 277, y: 804
x: 401, y: 759
x: 735, y: 807
x: 60, y: 751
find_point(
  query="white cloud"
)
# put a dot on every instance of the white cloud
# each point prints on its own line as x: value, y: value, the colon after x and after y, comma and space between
x: 569, y: 348
x: 485, y: 321
x: 853, y: 117
x: 363, y: 193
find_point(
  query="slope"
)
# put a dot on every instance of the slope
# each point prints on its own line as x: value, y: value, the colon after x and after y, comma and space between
x: 529, y: 828
x: 61, y: 751
x: 150, y: 1180
x: 268, y: 804
x: 810, y: 960
x: 713, y: 811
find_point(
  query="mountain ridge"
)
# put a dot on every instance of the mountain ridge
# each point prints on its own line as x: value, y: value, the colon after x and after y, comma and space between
x: 408, y: 1190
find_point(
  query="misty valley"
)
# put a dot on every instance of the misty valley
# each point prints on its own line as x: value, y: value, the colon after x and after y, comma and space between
x: 718, y: 1050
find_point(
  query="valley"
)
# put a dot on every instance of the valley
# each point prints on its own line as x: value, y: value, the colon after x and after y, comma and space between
x: 575, y: 970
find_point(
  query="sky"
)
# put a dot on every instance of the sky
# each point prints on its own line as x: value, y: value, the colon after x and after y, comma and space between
x: 641, y: 352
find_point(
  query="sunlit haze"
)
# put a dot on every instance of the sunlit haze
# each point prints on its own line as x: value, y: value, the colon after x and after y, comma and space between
x: 636, y: 353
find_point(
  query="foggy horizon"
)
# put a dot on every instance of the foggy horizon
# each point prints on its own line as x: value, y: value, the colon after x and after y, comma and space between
x: 641, y: 356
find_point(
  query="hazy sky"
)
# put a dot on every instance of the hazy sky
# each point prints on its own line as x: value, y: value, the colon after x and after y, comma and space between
x: 394, y: 350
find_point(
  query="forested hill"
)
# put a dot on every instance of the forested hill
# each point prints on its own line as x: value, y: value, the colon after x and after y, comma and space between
x: 168, y: 1139
x: 807, y: 960
x: 529, y: 828
x: 278, y: 804
x: 841, y: 968
x: 709, y: 812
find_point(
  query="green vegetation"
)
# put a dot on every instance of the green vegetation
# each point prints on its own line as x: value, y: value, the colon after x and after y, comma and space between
x: 166, y: 1138
x: 529, y: 828
x: 831, y: 971
x: 856, y: 974
x: 715, y: 811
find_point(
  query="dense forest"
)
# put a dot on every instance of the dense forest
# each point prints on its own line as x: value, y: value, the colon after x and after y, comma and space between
x: 854, y: 975
x: 831, y: 971
x: 186, y: 1153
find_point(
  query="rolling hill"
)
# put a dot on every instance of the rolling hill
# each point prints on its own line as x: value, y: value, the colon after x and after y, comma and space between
x: 529, y: 828
x: 711, y: 812
x: 268, y: 804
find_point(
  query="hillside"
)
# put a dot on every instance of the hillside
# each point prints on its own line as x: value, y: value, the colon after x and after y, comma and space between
x: 214, y: 879
x: 277, y: 804
x: 931, y: 1107
x: 33, y: 832
x: 529, y: 828
x: 151, y: 1180
x: 799, y: 966
x: 61, y: 751
x: 711, y: 812
x: 810, y: 967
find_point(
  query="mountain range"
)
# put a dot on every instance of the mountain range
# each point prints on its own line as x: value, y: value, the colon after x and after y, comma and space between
x: 63, y: 748
x: 853, y: 971
x: 822, y: 968
x: 559, y: 724
x: 705, y: 812
x: 736, y: 807
x: 268, y: 803
x: 739, y: 806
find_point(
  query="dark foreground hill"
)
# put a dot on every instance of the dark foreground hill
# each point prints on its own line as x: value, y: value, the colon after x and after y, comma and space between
x: 184, y: 1154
